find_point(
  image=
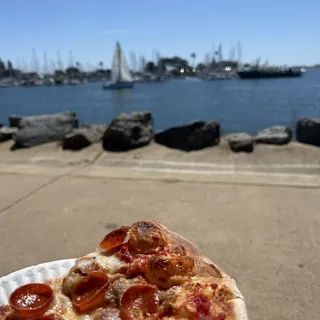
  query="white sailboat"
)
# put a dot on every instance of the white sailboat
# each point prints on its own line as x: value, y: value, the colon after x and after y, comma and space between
x: 120, y: 73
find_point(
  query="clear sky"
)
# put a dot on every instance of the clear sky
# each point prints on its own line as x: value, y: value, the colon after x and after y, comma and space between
x: 282, y: 31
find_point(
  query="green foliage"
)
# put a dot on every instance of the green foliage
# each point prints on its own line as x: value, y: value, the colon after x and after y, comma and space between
x: 201, y: 66
x: 9, y: 66
x: 2, y: 66
x: 72, y: 71
x: 175, y: 62
x: 193, y: 57
x: 175, y: 72
x: 150, y: 67
x: 59, y: 73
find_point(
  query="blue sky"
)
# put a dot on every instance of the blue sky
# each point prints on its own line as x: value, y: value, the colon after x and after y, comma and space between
x: 282, y: 31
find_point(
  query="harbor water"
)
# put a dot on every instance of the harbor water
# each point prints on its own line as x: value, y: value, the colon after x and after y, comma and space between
x: 239, y: 105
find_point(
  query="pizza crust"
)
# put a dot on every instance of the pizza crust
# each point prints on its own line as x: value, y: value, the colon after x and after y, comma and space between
x: 205, y: 267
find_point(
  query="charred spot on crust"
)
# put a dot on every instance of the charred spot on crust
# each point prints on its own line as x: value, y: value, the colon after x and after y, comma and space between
x: 214, y: 286
x: 179, y: 250
x: 159, y: 263
x: 146, y: 237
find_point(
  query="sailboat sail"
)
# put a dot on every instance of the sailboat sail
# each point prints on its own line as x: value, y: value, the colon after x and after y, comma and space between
x: 120, y: 69
x: 115, y: 74
x: 124, y: 70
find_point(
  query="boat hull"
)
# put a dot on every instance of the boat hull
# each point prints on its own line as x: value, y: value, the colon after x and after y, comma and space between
x: 260, y: 74
x: 118, y: 86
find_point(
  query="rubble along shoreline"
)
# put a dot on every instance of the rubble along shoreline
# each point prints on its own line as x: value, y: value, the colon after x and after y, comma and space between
x: 131, y: 131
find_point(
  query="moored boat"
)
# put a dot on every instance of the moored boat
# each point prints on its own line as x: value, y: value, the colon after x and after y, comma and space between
x: 120, y: 74
x: 269, y: 73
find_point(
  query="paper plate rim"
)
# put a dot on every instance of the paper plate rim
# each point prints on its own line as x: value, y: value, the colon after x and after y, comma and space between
x: 36, y: 273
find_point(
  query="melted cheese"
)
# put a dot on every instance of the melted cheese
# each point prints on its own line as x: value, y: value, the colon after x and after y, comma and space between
x: 62, y: 305
x: 110, y: 263
x: 201, y: 294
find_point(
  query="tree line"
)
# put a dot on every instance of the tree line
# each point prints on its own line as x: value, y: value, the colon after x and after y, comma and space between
x: 6, y: 69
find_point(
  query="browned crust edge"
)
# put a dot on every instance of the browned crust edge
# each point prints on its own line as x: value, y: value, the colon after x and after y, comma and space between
x: 205, y: 267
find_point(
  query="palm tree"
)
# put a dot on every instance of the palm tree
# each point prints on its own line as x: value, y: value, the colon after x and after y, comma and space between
x: 100, y: 65
x: 193, y: 57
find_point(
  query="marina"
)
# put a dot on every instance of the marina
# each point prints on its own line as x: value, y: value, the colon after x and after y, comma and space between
x: 249, y: 105
x: 123, y: 75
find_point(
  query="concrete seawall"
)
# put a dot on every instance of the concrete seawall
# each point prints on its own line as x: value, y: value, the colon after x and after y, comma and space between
x: 257, y: 220
x: 294, y: 158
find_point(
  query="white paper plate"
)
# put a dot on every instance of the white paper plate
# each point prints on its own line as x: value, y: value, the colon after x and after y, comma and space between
x: 38, y: 273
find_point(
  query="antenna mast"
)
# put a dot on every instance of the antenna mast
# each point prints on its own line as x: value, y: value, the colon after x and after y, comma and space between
x: 45, y: 63
x: 70, y: 59
x: 239, y: 51
x: 35, y: 61
x: 59, y: 62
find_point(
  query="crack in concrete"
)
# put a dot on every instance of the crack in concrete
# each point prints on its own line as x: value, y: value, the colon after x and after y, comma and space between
x: 165, y: 166
x: 32, y: 192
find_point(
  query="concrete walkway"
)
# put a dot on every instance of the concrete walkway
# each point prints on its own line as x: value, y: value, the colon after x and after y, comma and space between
x: 260, y: 227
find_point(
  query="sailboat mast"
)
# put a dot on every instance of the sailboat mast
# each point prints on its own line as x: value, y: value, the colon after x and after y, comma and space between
x: 119, y: 61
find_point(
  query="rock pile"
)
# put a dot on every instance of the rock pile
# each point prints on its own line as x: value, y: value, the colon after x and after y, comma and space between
x: 129, y: 131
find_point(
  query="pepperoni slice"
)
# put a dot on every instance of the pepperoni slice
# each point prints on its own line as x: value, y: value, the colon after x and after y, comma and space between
x: 146, y: 237
x: 31, y: 300
x: 89, y: 292
x: 139, y: 302
x: 124, y: 254
x: 114, y: 238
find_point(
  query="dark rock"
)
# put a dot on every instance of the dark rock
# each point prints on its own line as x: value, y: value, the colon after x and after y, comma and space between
x: 194, y: 136
x: 7, y: 133
x: 83, y: 137
x: 14, y: 121
x: 129, y: 131
x: 308, y: 131
x: 240, y: 142
x: 274, y: 135
x: 57, y: 119
x: 46, y: 128
x: 1, y: 124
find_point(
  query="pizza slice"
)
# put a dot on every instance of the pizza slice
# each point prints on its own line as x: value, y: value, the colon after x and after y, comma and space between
x: 140, y: 272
